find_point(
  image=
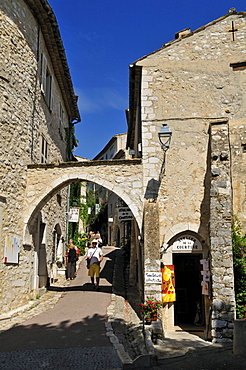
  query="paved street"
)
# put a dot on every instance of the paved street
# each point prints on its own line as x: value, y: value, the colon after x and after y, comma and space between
x: 70, y: 335
x: 213, y: 358
x: 67, y: 331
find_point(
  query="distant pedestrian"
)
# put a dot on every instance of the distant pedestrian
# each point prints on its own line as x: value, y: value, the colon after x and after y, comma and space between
x: 71, y: 265
x: 91, y: 236
x: 99, y: 239
x: 95, y: 255
x: 77, y: 255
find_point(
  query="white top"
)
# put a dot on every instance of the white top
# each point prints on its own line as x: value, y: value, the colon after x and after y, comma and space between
x: 96, y: 252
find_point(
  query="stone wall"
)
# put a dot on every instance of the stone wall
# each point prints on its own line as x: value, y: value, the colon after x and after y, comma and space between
x: 223, y: 301
x: 151, y: 246
x: 190, y: 83
x: 238, y: 168
x: 24, y: 119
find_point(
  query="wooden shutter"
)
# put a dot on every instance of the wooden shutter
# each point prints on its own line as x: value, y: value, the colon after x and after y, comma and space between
x: 43, y: 73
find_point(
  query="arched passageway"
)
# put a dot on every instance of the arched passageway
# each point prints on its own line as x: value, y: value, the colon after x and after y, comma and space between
x: 122, y: 177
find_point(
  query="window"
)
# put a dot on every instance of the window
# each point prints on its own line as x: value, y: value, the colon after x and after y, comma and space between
x: 46, y: 81
x: 111, y: 152
x: 238, y: 66
x: 44, y: 150
x: 244, y: 148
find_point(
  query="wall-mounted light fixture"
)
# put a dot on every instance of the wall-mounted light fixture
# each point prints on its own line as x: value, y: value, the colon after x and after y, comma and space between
x: 165, y: 135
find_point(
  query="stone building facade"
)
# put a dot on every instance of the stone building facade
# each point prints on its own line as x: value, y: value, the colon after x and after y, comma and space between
x: 195, y: 85
x: 183, y: 199
x: 38, y: 109
x: 116, y: 231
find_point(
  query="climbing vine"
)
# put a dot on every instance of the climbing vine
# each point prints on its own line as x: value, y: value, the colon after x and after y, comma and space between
x: 239, y: 262
x: 90, y: 207
x: 73, y: 227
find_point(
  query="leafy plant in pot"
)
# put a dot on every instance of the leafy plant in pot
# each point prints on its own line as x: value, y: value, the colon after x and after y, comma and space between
x: 150, y: 308
x: 147, y: 318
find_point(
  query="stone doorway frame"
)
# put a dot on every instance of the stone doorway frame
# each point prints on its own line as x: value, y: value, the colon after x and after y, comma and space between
x: 167, y: 258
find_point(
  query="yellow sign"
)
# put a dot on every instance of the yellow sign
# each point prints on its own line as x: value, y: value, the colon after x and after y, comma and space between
x: 168, y: 284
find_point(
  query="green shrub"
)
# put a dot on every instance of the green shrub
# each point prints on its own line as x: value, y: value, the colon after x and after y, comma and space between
x: 239, y: 262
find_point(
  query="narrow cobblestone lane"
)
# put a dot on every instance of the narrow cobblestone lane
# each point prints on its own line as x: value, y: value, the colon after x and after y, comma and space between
x: 71, y: 334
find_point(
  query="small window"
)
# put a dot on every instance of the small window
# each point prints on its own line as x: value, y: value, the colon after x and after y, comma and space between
x: 111, y: 152
x: 46, y: 81
x: 244, y: 148
x: 44, y: 150
x: 238, y: 66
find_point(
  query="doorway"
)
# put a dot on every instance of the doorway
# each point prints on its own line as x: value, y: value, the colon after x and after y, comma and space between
x: 189, y: 307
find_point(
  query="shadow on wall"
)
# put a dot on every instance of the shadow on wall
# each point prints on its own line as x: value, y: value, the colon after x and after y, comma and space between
x: 152, y: 189
x: 153, y: 186
x: 205, y: 204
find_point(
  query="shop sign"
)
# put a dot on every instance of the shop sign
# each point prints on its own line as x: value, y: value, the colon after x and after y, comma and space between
x: 187, y: 243
x: 153, y: 277
x: 74, y: 215
x: 168, y: 284
x: 125, y: 214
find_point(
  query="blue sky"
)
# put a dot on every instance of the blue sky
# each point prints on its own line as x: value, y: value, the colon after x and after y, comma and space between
x: 103, y: 37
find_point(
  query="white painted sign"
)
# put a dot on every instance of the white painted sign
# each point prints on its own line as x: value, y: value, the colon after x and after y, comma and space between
x: 187, y: 243
x: 110, y: 219
x: 153, y: 277
x: 125, y: 214
x: 74, y: 215
x: 97, y: 208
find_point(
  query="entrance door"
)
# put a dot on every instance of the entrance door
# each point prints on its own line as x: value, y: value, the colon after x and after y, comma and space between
x: 187, y: 269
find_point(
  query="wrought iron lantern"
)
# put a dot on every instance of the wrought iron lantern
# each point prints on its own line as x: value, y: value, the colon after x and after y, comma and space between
x: 165, y: 135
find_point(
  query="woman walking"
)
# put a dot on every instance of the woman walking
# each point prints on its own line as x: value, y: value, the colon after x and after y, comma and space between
x: 71, y: 265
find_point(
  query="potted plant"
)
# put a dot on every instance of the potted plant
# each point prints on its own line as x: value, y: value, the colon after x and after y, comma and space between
x: 147, y: 318
x: 150, y: 308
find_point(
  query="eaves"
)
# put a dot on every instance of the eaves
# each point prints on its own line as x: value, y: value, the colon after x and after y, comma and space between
x: 171, y: 43
x: 46, y: 19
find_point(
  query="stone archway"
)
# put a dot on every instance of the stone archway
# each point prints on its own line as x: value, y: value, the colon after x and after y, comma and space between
x: 122, y: 177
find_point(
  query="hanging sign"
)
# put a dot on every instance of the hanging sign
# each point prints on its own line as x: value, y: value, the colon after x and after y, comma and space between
x: 125, y: 214
x: 74, y: 215
x: 168, y: 284
x: 187, y: 243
